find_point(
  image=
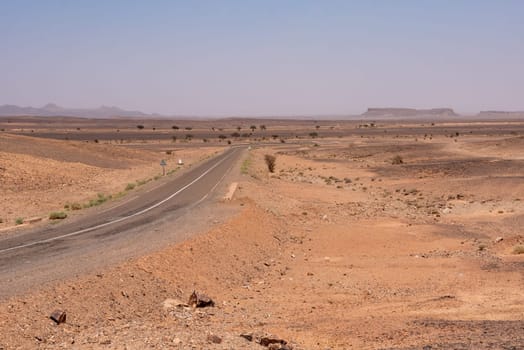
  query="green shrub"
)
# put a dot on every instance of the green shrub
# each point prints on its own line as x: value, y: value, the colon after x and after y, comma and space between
x: 57, y: 215
x: 130, y: 186
x: 19, y: 221
x: 245, y: 166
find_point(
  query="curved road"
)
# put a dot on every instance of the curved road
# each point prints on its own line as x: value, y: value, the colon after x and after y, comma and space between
x: 31, y: 257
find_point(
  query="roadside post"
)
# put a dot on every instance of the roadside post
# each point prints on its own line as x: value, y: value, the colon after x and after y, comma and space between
x: 163, y: 165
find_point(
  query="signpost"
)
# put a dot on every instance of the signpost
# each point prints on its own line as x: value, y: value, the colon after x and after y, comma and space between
x: 163, y: 165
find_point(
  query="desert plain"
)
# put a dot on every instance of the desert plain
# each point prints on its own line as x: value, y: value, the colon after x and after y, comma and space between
x: 367, y: 235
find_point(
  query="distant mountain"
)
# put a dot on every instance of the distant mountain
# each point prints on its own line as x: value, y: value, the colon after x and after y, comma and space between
x: 408, y: 112
x: 53, y: 110
x: 498, y: 114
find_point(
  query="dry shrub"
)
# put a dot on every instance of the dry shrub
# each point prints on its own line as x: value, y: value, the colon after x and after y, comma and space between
x: 270, y: 162
x: 397, y: 160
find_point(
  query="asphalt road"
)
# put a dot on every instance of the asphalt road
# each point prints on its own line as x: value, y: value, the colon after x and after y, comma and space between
x: 35, y: 256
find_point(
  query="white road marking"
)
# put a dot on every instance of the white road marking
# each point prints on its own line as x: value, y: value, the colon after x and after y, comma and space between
x: 125, y: 217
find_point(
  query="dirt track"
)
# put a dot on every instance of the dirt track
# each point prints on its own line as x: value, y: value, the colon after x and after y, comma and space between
x: 338, y: 249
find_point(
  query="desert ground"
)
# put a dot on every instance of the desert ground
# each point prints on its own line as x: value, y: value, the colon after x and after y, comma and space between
x: 367, y: 235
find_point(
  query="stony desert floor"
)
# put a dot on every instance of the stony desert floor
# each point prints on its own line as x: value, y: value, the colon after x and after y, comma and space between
x: 357, y: 242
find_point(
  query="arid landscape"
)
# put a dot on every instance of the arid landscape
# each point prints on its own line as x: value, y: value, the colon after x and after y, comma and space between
x: 369, y: 234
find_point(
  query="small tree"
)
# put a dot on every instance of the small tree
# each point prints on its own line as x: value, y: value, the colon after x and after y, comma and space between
x: 262, y: 127
x: 270, y: 162
x: 253, y: 128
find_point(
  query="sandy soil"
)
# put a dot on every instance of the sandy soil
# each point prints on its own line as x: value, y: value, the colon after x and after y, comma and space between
x: 39, y: 176
x: 338, y: 249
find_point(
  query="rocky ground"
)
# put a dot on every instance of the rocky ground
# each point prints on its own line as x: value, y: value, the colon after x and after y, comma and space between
x: 362, y: 242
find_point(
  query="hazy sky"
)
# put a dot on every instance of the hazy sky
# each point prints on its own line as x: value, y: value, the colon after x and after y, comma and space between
x: 267, y: 57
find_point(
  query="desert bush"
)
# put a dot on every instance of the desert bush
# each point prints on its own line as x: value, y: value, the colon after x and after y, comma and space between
x: 235, y: 134
x: 189, y: 137
x: 140, y: 127
x: 1, y: 221
x: 519, y: 249
x: 169, y: 152
x: 270, y: 162
x: 397, y: 160
x: 75, y: 206
x: 101, y: 198
x: 130, y: 186
x: 19, y: 221
x: 174, y: 127
x: 263, y: 127
x: 188, y: 128
x: 253, y: 128
x: 57, y: 215
x: 245, y: 166
x: 313, y: 134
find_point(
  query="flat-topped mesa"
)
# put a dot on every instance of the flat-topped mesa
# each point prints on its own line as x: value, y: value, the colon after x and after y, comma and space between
x: 501, y: 113
x: 408, y: 112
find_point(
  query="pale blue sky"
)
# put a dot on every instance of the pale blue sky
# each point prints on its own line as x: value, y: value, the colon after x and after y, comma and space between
x: 271, y: 57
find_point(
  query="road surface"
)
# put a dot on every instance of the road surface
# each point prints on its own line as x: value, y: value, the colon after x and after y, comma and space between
x: 132, y: 226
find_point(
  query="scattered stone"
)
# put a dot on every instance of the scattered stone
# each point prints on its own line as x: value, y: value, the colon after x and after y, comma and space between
x: 214, y: 339
x: 279, y: 347
x: 200, y: 300
x: 268, y: 340
x: 173, y: 303
x: 177, y: 341
x: 58, y: 316
x: 247, y: 336
x: 498, y: 239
